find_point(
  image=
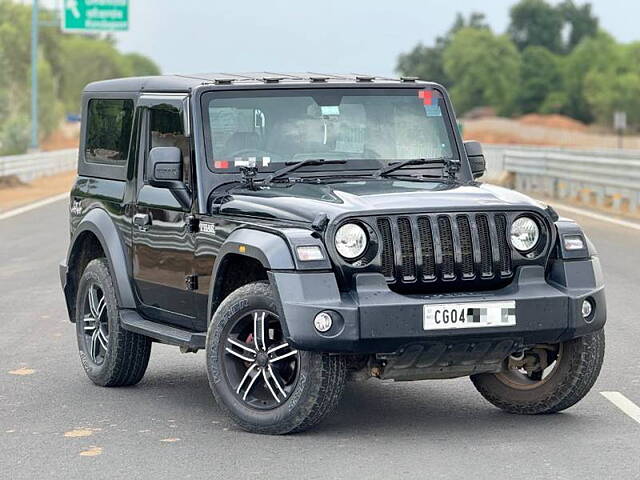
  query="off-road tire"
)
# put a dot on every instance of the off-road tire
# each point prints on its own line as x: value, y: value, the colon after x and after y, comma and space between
x: 576, y: 373
x: 127, y: 356
x: 318, y: 389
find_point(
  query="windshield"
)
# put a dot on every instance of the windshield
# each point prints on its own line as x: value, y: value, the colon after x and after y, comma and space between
x: 367, y: 127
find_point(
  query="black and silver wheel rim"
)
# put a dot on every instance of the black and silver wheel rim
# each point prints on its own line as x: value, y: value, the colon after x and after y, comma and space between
x: 95, y: 324
x: 260, y: 367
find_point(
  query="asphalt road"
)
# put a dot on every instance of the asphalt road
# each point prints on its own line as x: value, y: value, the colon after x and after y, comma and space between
x: 54, y: 423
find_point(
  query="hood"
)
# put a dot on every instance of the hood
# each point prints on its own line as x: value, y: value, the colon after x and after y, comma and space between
x: 302, y: 202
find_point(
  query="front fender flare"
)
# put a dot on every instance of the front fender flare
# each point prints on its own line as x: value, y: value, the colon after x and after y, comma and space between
x: 271, y: 250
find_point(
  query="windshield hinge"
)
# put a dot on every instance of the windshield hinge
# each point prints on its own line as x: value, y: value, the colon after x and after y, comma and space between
x: 193, y: 224
x: 191, y: 282
x: 452, y: 167
x: 249, y: 175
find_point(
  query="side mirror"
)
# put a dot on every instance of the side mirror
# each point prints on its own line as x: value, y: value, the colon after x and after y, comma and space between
x: 165, y: 167
x: 476, y: 158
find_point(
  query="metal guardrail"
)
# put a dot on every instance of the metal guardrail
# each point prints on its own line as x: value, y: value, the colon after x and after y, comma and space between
x: 601, y: 178
x: 34, y: 165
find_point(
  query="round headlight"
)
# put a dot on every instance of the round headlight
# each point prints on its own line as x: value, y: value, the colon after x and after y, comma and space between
x: 351, y: 240
x: 524, y: 234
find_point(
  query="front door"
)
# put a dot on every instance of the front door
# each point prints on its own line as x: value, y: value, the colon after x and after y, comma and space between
x: 163, y: 247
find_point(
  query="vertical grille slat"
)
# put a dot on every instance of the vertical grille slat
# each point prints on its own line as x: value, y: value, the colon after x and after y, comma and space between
x: 505, y: 252
x: 466, y: 246
x: 446, y: 242
x: 443, y: 251
x: 384, y: 227
x: 428, y: 252
x: 408, y: 266
x: 486, y: 259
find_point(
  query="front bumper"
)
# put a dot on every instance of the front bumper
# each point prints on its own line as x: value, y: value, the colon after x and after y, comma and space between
x: 375, y: 319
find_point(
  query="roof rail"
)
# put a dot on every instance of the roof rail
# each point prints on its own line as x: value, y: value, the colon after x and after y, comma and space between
x: 408, y: 79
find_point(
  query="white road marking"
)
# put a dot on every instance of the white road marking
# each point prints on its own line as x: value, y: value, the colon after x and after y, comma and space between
x: 624, y: 404
x: 595, y: 216
x: 33, y: 206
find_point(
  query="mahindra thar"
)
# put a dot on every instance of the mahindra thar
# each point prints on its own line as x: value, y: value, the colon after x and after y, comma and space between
x: 303, y: 229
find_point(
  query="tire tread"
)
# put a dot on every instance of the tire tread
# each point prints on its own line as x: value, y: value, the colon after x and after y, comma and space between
x: 585, y: 362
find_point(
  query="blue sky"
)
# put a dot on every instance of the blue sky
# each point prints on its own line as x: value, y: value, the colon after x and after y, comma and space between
x: 327, y: 35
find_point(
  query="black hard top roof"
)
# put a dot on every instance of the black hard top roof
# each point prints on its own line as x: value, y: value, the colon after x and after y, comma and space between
x: 184, y: 83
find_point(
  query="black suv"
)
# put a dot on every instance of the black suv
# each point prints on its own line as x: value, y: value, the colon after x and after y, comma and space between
x: 307, y: 228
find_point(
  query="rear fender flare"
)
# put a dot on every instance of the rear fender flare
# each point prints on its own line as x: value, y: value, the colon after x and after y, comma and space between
x: 98, y: 222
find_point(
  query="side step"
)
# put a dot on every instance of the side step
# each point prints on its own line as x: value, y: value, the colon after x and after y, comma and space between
x: 132, y: 321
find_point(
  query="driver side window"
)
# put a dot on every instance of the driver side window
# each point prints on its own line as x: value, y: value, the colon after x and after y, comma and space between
x: 166, y: 130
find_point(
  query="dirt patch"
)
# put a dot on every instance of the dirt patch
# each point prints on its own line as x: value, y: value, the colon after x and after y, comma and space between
x: 66, y: 136
x: 10, y: 181
x: 508, y: 131
x: 16, y: 195
x: 553, y: 121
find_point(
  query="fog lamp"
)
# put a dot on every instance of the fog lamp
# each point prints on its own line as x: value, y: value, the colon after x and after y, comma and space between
x: 323, y: 322
x: 587, y: 309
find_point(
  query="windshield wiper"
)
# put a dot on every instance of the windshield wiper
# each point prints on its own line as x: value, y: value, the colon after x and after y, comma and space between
x: 438, y: 163
x: 291, y: 166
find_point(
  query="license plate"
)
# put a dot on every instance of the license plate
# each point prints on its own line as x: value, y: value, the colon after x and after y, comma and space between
x: 469, y: 315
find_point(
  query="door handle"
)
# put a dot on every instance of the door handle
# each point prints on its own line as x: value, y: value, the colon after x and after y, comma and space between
x: 142, y: 221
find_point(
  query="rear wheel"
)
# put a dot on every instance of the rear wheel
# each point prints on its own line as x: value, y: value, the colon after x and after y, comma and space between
x: 546, y: 378
x: 111, y: 356
x: 262, y: 382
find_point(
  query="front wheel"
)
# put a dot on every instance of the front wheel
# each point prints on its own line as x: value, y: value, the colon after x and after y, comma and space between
x: 546, y: 378
x: 264, y: 384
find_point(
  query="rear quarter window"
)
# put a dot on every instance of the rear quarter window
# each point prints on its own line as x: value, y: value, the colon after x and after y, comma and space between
x: 108, y: 131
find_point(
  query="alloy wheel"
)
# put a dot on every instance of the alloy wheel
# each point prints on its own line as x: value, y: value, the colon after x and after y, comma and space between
x: 259, y: 365
x: 96, y: 324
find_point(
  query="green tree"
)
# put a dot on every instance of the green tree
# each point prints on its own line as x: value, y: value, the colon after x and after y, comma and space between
x: 614, y: 85
x: 540, y: 75
x: 592, y: 54
x: 535, y: 22
x: 65, y: 64
x: 486, y: 68
x: 426, y: 62
x: 581, y: 21
x: 140, y: 65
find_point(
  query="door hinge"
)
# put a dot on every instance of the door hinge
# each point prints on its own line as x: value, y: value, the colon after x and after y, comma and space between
x: 193, y: 224
x: 191, y: 282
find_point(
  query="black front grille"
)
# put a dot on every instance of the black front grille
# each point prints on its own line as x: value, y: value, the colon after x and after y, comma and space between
x: 432, y: 250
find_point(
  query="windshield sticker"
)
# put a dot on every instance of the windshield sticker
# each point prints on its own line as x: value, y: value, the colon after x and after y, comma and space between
x: 244, y: 162
x: 266, y: 161
x: 433, y: 110
x: 221, y: 164
x: 426, y: 96
x: 330, y: 110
